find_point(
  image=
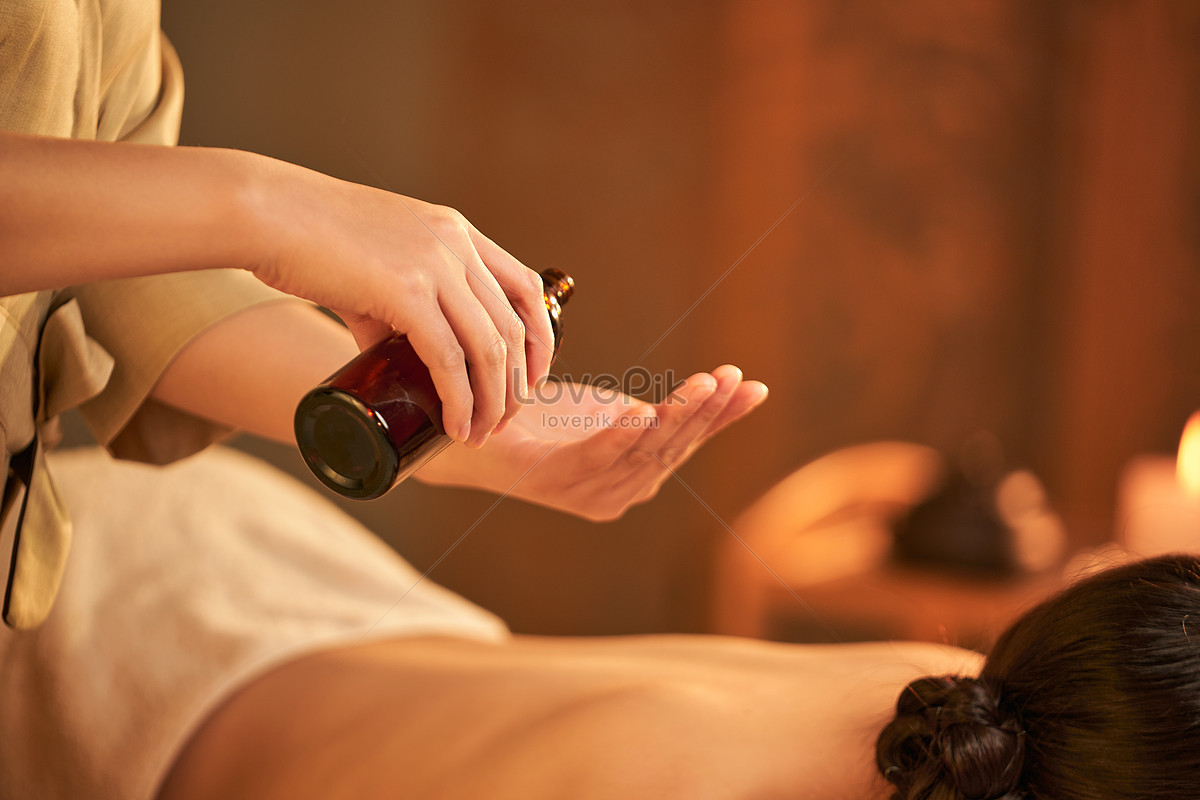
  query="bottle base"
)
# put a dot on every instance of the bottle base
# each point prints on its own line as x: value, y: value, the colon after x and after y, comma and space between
x: 345, y: 444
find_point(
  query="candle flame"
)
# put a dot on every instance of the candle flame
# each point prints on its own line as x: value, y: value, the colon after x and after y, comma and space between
x: 1188, y: 466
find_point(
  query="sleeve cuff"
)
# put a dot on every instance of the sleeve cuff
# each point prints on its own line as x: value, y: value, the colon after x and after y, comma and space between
x: 144, y: 323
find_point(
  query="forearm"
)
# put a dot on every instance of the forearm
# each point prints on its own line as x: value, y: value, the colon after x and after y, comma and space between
x: 251, y: 369
x: 76, y: 211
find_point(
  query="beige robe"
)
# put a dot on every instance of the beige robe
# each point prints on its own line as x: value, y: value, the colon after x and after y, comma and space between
x: 91, y: 69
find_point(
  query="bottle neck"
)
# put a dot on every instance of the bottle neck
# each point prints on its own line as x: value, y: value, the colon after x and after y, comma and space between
x: 557, y: 287
x: 558, y: 284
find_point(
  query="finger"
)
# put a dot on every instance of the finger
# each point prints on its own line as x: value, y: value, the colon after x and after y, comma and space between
x: 512, y: 329
x: 640, y: 458
x: 593, y: 458
x: 746, y: 397
x: 684, y: 441
x: 433, y: 338
x: 733, y: 399
x: 523, y: 288
x: 485, y: 355
x: 671, y: 451
x: 438, y: 346
x: 676, y: 410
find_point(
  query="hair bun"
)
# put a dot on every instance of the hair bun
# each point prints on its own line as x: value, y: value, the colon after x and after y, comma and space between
x: 951, y: 734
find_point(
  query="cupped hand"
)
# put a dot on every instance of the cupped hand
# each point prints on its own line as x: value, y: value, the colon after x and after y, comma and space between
x: 385, y: 262
x: 595, y: 452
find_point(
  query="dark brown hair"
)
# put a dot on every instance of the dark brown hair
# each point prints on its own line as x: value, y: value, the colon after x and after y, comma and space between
x: 1092, y: 695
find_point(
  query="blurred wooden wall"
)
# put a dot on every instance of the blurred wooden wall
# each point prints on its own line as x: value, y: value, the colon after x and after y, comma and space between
x: 912, y: 221
x: 1122, y: 370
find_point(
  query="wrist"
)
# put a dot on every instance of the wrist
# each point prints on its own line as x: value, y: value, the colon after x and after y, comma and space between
x: 255, y: 220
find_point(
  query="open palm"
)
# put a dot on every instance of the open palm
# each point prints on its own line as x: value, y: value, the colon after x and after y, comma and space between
x: 595, y: 452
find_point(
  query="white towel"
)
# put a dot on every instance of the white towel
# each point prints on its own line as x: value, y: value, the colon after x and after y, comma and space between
x: 185, y: 582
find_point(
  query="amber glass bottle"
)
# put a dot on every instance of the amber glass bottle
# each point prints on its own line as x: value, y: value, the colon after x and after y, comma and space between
x: 376, y: 420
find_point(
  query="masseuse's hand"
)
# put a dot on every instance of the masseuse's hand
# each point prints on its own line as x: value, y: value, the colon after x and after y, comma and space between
x: 595, y: 452
x: 79, y: 211
x: 382, y: 261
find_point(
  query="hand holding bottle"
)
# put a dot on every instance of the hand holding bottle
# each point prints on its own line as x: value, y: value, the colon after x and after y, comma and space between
x: 385, y: 262
x: 84, y: 211
x: 378, y: 419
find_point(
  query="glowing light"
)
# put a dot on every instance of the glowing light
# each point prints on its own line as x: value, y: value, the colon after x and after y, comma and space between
x: 1187, y: 468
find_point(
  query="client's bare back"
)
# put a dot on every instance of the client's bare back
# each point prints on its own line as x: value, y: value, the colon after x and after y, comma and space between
x: 661, y: 716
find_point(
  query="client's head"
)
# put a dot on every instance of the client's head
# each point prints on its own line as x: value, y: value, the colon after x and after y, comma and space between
x: 1093, y: 695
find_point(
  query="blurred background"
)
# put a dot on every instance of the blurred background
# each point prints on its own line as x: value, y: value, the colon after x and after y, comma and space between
x: 913, y: 221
